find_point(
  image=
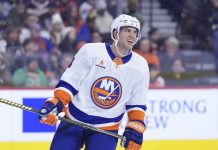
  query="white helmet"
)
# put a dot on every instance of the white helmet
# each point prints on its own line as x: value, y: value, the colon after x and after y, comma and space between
x: 122, y: 21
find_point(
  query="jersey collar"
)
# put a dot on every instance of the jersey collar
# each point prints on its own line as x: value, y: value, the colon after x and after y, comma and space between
x: 112, y: 56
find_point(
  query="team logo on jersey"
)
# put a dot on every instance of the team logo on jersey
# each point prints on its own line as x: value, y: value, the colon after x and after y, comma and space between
x: 106, y: 92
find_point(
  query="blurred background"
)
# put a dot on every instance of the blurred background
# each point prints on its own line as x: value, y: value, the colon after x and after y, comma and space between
x: 39, y: 38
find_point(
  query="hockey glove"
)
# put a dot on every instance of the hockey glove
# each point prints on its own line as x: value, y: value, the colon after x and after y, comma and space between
x: 134, y: 134
x: 50, y: 109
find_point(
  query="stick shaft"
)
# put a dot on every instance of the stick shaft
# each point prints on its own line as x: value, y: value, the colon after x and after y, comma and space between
x: 83, y: 125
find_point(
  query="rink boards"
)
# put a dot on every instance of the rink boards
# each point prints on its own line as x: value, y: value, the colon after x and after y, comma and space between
x: 177, y: 119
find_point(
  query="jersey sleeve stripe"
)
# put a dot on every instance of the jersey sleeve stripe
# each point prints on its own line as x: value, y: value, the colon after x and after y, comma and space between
x: 66, y: 85
x: 136, y: 115
x: 63, y: 96
x: 84, y: 117
x: 143, y: 107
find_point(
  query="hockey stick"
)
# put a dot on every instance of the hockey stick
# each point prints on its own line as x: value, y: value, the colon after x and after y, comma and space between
x: 80, y: 124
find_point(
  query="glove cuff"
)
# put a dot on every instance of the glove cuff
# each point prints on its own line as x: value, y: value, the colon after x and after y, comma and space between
x: 139, y: 126
x: 53, y: 100
x: 58, y: 103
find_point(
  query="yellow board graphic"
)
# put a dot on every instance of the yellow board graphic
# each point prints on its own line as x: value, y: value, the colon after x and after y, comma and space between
x: 147, y: 145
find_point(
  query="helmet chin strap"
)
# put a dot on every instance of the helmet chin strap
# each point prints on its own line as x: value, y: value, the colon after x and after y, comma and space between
x: 116, y: 42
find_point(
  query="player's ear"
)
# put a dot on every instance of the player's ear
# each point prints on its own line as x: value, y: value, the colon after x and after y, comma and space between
x: 115, y: 34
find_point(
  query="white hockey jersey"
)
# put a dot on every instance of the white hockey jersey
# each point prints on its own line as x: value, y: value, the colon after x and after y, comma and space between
x: 103, y: 86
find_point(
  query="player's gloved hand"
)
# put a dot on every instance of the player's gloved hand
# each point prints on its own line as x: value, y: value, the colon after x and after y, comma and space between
x: 49, y: 111
x: 134, y: 134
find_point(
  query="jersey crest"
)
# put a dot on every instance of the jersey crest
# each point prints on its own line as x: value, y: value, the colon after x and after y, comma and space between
x: 106, y: 92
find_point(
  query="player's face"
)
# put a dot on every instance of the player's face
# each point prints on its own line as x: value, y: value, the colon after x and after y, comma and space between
x: 127, y: 37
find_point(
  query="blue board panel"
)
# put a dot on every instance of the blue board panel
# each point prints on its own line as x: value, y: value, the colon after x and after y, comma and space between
x: 30, y: 120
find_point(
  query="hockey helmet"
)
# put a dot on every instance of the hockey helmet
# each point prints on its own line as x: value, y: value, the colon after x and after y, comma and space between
x: 122, y: 21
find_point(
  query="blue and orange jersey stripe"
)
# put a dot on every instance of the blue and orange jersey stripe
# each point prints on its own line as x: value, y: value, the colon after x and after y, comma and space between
x: 102, y: 122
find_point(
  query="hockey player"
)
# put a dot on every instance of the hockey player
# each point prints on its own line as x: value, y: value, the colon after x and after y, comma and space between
x: 101, y: 84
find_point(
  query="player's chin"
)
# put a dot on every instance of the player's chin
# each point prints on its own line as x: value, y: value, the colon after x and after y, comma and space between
x: 130, y: 46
